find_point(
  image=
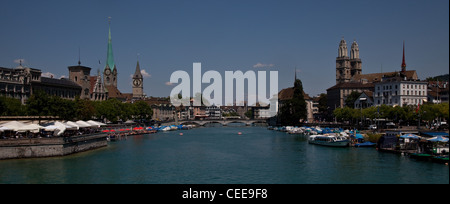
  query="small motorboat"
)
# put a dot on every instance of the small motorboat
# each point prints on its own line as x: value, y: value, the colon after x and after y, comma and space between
x: 329, y: 140
x: 365, y: 144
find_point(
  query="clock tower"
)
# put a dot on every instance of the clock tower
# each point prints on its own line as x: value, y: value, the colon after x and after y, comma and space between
x: 110, y: 70
x: 138, y: 86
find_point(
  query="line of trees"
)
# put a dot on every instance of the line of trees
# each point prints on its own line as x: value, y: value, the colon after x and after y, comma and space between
x: 42, y: 104
x: 426, y: 112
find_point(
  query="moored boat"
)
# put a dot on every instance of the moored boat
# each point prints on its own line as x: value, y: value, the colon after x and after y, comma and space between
x: 365, y: 144
x: 420, y: 156
x: 329, y: 140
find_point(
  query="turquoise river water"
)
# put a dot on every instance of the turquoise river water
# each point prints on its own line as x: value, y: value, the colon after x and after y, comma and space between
x: 220, y: 155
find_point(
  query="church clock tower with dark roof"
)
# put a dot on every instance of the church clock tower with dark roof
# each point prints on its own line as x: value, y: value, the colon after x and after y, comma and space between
x: 138, y: 86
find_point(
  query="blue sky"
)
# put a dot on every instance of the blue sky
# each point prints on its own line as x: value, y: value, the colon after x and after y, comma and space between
x: 224, y: 35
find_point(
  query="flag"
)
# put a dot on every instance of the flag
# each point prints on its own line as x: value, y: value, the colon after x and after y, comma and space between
x: 418, y: 107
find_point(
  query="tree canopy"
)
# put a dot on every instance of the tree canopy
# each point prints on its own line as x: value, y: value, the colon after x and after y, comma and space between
x: 294, y: 110
x: 427, y: 112
x: 41, y: 104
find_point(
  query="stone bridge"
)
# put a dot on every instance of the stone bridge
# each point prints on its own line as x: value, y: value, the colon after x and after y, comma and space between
x: 223, y: 122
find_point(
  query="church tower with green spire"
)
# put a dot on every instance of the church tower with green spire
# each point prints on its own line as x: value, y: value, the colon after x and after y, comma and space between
x: 110, y: 70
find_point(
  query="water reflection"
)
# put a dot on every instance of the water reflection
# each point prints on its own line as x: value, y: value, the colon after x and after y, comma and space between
x: 221, y: 155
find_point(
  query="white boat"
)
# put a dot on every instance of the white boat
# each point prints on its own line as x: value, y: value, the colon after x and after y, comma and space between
x: 167, y: 128
x: 329, y: 140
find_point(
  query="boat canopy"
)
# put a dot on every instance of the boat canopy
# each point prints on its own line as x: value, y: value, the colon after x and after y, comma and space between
x: 438, y: 139
x: 410, y: 136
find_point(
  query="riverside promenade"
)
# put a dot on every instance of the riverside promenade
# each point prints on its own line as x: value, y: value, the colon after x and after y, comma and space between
x: 49, y: 147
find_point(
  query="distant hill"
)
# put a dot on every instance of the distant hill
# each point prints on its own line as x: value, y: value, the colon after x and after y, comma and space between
x: 444, y: 77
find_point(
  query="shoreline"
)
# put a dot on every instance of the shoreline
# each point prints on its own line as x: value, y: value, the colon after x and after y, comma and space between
x: 50, y: 147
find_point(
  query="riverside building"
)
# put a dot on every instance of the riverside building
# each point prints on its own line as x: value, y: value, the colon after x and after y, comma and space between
x: 349, y: 78
x: 21, y: 82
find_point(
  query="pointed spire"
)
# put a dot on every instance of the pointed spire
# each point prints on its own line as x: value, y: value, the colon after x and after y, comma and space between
x: 295, y: 74
x: 354, y: 52
x: 342, y: 52
x: 79, y: 56
x: 110, y: 57
x: 137, y: 73
x: 403, y: 60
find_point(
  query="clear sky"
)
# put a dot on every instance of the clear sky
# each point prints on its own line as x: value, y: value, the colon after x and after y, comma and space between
x: 225, y: 35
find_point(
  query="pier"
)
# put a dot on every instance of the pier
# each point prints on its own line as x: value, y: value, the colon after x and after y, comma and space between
x: 49, y: 147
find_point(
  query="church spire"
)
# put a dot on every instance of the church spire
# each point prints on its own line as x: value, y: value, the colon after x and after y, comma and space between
x: 295, y: 73
x: 342, y: 52
x: 354, y: 52
x: 403, y: 60
x: 110, y: 57
x: 137, y: 73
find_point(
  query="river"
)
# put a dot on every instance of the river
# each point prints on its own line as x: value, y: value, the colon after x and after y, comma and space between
x: 221, y: 155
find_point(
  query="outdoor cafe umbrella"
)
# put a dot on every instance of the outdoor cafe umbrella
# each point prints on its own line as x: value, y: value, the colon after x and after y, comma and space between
x: 4, y: 128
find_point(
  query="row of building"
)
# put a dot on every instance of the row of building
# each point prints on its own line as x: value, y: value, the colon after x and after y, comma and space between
x: 397, y: 88
x: 21, y: 82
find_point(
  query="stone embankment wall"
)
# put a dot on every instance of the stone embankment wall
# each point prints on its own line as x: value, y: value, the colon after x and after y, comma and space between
x: 48, y: 147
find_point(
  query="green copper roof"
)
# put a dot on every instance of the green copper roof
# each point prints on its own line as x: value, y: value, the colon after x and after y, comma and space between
x: 110, y: 56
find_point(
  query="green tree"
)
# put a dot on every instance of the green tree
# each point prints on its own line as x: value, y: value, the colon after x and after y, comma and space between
x: 109, y: 109
x: 323, y: 105
x: 11, y: 107
x: 346, y: 113
x: 38, y: 104
x: 249, y: 113
x: 294, y: 110
x: 2, y: 106
x: 142, y: 110
x: 63, y: 108
x: 350, y: 100
x: 85, y: 109
x: 126, y: 111
x: 370, y: 112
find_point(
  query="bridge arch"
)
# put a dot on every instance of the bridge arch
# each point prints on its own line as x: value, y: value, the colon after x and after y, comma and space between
x: 199, y: 123
x: 223, y: 122
x: 236, y: 121
x: 213, y: 122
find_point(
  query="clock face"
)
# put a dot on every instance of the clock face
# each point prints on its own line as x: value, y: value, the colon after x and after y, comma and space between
x: 107, y: 72
x: 137, y: 82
